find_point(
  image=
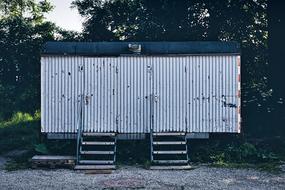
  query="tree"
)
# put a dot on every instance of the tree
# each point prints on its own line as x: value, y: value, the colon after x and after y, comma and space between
x: 276, y: 64
x: 22, y: 32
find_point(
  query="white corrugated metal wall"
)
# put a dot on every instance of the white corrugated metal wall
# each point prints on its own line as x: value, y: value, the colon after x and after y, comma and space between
x: 193, y: 93
x: 134, y: 90
x: 100, y: 80
x: 61, y: 87
x: 117, y: 94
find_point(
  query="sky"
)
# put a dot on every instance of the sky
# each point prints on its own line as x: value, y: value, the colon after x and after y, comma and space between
x: 64, y: 16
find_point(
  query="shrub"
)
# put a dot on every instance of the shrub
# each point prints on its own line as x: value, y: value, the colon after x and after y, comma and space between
x: 234, y: 151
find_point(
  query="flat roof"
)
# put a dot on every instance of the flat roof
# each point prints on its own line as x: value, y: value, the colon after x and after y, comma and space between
x: 147, y: 48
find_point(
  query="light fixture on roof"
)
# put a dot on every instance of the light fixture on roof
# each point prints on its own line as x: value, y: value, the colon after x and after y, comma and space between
x: 135, y: 48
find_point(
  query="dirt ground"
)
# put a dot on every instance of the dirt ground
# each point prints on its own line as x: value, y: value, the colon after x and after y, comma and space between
x: 201, y: 177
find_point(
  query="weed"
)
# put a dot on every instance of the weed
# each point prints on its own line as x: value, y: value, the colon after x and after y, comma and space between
x: 19, y: 136
x: 41, y: 148
x: 22, y: 132
x: 147, y: 164
x: 237, y: 153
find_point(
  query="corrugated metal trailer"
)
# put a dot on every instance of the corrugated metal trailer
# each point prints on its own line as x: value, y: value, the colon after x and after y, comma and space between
x: 139, y: 87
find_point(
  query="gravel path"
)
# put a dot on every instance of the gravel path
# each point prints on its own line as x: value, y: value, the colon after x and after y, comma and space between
x: 138, y: 178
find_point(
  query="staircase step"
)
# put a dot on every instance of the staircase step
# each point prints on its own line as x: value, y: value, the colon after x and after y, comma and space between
x: 170, y: 152
x: 96, y: 152
x: 95, y: 167
x: 168, y: 134
x: 184, y: 167
x: 96, y: 162
x: 168, y: 142
x: 98, y: 134
x: 170, y: 161
x: 97, y: 143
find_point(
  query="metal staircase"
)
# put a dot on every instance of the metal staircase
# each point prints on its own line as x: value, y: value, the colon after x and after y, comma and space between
x: 97, y: 151
x: 169, y: 151
x: 94, y: 151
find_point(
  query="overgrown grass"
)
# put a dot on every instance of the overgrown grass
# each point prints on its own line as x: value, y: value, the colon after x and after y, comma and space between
x: 22, y: 132
x: 236, y: 152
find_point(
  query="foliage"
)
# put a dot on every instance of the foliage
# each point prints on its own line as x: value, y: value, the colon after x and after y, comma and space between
x: 22, y: 133
x: 41, y: 148
x: 22, y: 32
x: 237, y: 150
x: 31, y: 9
x: 66, y: 35
x: 19, y: 133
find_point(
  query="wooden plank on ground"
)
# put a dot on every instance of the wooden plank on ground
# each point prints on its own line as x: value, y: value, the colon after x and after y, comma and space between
x: 52, y: 157
x: 52, y: 161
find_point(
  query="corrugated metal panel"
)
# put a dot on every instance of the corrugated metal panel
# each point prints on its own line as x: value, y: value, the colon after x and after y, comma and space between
x: 117, y: 94
x: 61, y: 86
x: 195, y: 93
x: 134, y: 90
x: 182, y: 93
x: 100, y: 94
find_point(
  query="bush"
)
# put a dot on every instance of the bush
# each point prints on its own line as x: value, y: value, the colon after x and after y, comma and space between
x: 233, y: 151
x: 19, y: 117
x: 19, y: 136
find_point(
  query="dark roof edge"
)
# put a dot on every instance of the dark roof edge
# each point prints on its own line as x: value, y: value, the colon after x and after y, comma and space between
x: 147, y: 48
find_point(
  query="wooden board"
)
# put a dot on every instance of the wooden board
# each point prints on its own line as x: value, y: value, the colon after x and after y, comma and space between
x: 51, y: 157
x: 52, y: 161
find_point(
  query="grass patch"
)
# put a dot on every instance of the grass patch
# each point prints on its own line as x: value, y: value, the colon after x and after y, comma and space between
x: 235, y: 152
x: 22, y: 132
x: 19, y: 133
